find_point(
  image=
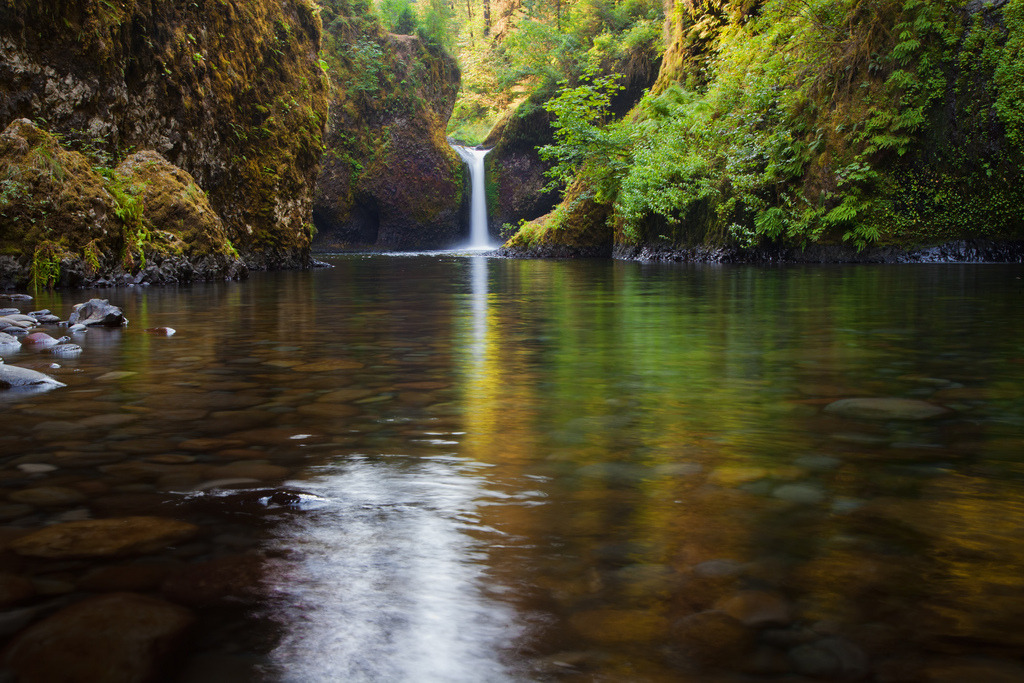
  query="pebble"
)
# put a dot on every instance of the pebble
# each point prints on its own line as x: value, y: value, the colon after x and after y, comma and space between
x: 36, y: 468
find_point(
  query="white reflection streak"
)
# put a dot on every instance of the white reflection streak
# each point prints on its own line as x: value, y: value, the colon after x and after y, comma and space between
x: 478, y: 298
x: 386, y: 589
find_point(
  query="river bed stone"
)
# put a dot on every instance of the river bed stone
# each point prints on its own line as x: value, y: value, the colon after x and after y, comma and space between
x: 104, y: 538
x: 115, y: 638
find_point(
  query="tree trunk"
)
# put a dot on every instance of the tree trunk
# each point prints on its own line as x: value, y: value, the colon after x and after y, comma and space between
x: 487, y: 18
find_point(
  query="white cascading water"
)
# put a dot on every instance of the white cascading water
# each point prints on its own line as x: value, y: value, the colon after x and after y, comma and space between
x: 474, y: 158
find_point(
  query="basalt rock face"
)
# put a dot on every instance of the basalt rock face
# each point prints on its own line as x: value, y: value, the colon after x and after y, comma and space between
x: 515, y: 171
x: 389, y: 178
x: 230, y: 91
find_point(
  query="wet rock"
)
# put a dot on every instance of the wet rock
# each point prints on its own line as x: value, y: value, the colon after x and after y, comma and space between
x: 14, y: 589
x: 66, y: 350
x: 36, y: 468
x: 104, y: 537
x: 14, y: 377
x: 9, y: 342
x: 712, y: 637
x: 806, y: 494
x: 115, y: 375
x: 227, y: 579
x: 231, y: 482
x: 97, y: 312
x: 38, y: 340
x: 619, y: 625
x: 886, y: 409
x: 121, y: 637
x: 757, y: 608
x: 831, y: 658
x: 161, y: 331
x: 48, y: 496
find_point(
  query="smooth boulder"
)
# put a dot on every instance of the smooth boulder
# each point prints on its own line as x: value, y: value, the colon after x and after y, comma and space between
x: 14, y: 377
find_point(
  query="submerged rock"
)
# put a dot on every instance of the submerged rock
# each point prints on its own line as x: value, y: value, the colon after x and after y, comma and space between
x: 886, y: 409
x: 115, y: 638
x: 104, y: 537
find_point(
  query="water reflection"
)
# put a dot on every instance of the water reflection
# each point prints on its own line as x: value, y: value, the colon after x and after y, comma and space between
x: 387, y: 584
x: 551, y: 470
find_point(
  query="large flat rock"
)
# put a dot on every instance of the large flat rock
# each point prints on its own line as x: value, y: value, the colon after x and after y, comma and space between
x: 104, y: 537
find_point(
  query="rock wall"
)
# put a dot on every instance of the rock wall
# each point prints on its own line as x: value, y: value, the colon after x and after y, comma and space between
x: 389, y: 178
x: 231, y: 91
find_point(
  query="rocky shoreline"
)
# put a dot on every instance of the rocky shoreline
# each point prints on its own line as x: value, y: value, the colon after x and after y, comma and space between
x: 955, y: 251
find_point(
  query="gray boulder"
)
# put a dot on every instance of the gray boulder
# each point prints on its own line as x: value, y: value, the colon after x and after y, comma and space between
x: 14, y: 377
x: 97, y: 312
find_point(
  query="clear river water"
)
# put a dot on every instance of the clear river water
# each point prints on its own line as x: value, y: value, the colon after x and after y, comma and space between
x: 447, y: 468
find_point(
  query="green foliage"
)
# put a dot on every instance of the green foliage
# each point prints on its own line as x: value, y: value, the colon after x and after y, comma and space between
x: 45, y: 270
x: 799, y: 120
x: 397, y: 16
x: 437, y: 25
x: 1009, y: 74
x: 584, y: 142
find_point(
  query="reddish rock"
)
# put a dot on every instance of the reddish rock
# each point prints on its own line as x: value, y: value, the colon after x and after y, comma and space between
x: 712, y: 638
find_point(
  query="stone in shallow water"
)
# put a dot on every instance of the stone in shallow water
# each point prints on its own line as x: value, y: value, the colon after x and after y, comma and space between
x: 757, y: 608
x: 886, y: 409
x: 619, y: 625
x: 115, y: 638
x: 806, y: 494
x: 712, y: 637
x: 104, y: 537
x: 97, y: 312
x: 47, y: 496
x: 831, y: 658
x: 12, y: 377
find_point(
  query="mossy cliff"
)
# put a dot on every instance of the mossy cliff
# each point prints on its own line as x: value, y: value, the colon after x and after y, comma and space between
x: 230, y: 91
x: 389, y: 177
x: 65, y: 223
x: 830, y: 130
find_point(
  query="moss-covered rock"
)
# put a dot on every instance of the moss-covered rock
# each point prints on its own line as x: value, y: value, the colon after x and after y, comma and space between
x: 577, y: 227
x: 230, y: 91
x: 389, y: 177
x: 63, y: 222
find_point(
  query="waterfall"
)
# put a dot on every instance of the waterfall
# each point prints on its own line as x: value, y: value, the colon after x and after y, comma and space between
x: 474, y: 158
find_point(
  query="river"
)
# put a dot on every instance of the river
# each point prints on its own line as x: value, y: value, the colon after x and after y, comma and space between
x: 441, y: 467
